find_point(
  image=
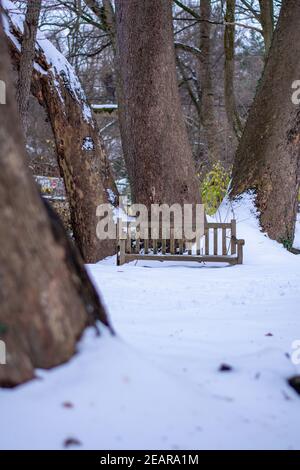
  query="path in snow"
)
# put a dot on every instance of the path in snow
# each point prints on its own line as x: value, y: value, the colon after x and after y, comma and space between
x: 158, y: 385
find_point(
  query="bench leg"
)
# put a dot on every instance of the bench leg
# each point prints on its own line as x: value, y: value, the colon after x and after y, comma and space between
x: 240, y: 253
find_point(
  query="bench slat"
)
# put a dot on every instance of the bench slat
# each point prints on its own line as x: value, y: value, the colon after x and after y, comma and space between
x: 198, y: 245
x: 206, y: 241
x: 218, y: 225
x: 137, y: 243
x: 181, y: 250
x: 199, y: 259
x: 172, y: 241
x: 128, y: 244
x: 215, y: 241
x: 224, y: 248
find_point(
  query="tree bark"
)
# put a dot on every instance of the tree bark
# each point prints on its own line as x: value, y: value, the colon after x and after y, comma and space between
x: 107, y: 18
x: 229, y: 47
x: 155, y: 144
x: 267, y: 159
x: 267, y: 22
x: 208, y: 117
x: 46, y: 297
x: 81, y: 155
x: 27, y: 58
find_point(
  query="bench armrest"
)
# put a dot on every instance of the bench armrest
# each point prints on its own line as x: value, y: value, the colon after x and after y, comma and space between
x: 240, y: 243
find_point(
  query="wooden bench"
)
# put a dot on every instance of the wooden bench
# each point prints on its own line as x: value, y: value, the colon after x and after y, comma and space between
x: 219, y: 244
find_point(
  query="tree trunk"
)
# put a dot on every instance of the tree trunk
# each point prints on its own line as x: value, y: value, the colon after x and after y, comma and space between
x: 156, y: 148
x: 208, y: 118
x: 46, y: 297
x: 81, y: 155
x: 229, y: 47
x: 108, y: 18
x: 27, y: 58
x: 267, y: 22
x: 267, y: 159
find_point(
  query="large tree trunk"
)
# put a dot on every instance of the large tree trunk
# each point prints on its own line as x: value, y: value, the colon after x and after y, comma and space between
x: 208, y: 118
x: 81, y: 155
x: 229, y: 67
x: 267, y: 22
x: 27, y: 58
x: 267, y: 159
x: 46, y: 297
x: 155, y: 143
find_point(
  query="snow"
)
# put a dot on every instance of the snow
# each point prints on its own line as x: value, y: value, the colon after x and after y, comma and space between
x: 192, y: 48
x: 61, y: 67
x: 14, y: 13
x: 157, y: 385
x: 108, y: 106
x: 111, y: 196
x: 88, y: 144
x: 297, y: 233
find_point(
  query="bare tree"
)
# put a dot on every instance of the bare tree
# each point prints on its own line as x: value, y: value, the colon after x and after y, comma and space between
x: 81, y: 156
x: 229, y: 67
x: 46, y: 297
x: 267, y: 21
x: 208, y: 118
x: 27, y: 58
x: 267, y: 159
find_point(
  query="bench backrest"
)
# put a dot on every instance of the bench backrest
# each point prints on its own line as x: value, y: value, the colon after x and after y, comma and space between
x: 218, y: 240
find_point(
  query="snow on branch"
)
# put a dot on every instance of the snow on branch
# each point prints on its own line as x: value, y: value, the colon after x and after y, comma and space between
x: 104, y: 108
x: 187, y: 48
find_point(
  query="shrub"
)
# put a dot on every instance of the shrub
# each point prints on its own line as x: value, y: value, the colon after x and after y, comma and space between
x: 214, y: 187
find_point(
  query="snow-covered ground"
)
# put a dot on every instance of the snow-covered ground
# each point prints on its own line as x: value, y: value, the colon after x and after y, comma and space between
x: 158, y: 385
x: 297, y: 234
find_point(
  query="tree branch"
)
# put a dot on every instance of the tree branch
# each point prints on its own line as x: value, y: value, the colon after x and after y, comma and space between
x: 187, y: 48
x: 195, y: 15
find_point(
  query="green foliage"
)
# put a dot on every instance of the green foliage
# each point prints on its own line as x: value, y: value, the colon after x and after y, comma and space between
x: 287, y: 243
x: 214, y: 187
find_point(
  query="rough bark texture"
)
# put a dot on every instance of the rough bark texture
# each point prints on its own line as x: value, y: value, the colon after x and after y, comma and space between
x: 208, y: 118
x: 27, y: 58
x: 46, y: 297
x: 267, y: 159
x: 107, y: 18
x: 81, y: 155
x: 155, y: 144
x: 229, y: 47
x: 267, y: 21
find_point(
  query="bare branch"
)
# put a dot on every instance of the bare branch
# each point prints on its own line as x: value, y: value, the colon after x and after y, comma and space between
x: 220, y: 23
x: 187, y: 48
